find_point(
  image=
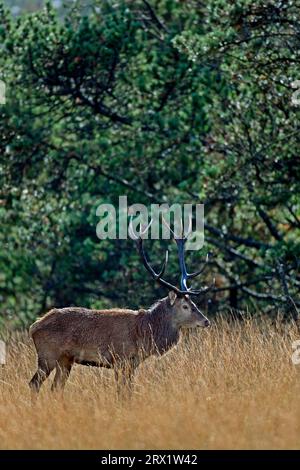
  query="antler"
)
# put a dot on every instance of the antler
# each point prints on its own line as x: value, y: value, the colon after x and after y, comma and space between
x: 180, y: 241
x: 157, y: 276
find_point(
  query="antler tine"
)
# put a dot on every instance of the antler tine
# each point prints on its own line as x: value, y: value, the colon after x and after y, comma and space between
x: 181, y: 229
x: 156, y: 276
x: 131, y: 232
x: 168, y: 226
x: 182, y: 235
x: 180, y: 242
x: 196, y: 273
x: 163, y: 268
x: 184, y: 274
x: 142, y: 231
x: 189, y: 230
x: 204, y: 290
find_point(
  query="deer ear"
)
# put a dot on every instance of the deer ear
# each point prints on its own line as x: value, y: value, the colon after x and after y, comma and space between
x: 172, y: 297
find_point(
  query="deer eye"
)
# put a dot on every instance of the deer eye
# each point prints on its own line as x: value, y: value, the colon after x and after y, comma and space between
x: 185, y: 307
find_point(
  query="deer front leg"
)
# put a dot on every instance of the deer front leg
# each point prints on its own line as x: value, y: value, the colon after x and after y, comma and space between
x: 124, y: 374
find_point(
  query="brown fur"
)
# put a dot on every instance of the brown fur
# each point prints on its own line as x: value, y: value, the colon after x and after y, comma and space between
x: 117, y: 338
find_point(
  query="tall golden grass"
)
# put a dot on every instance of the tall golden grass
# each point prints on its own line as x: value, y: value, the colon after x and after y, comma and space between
x: 232, y: 386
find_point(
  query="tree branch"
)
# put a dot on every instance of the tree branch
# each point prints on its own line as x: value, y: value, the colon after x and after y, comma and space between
x: 154, y: 17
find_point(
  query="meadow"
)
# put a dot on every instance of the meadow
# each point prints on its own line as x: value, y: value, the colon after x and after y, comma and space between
x: 233, y: 386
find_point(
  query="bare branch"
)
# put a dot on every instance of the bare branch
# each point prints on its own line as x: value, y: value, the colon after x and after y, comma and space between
x: 250, y: 242
x: 154, y: 17
x: 269, y: 223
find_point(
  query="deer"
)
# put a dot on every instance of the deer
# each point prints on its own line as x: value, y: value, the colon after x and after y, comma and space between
x: 118, y: 339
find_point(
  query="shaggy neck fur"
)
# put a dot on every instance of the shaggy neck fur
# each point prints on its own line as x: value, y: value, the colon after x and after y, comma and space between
x: 157, y: 328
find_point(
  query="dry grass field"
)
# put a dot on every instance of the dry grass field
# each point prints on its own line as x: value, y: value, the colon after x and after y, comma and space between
x: 232, y: 386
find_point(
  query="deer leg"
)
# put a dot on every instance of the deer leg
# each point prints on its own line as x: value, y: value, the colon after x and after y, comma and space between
x: 43, y: 371
x: 63, y: 369
x: 124, y: 373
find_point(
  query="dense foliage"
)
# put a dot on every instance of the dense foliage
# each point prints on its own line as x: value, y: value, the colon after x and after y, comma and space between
x: 164, y: 101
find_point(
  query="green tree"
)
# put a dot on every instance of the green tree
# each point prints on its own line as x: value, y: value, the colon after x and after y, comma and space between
x: 163, y: 101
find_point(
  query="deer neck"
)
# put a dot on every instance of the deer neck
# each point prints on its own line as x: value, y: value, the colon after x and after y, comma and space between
x: 158, y: 330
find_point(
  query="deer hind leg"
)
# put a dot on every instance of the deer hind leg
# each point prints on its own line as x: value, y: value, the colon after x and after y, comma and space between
x: 63, y: 369
x: 43, y: 371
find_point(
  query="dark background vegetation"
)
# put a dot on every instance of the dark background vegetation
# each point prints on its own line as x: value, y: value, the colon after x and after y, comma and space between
x: 164, y: 101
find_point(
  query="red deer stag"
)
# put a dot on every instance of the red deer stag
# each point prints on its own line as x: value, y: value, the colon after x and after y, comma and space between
x: 116, y: 338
